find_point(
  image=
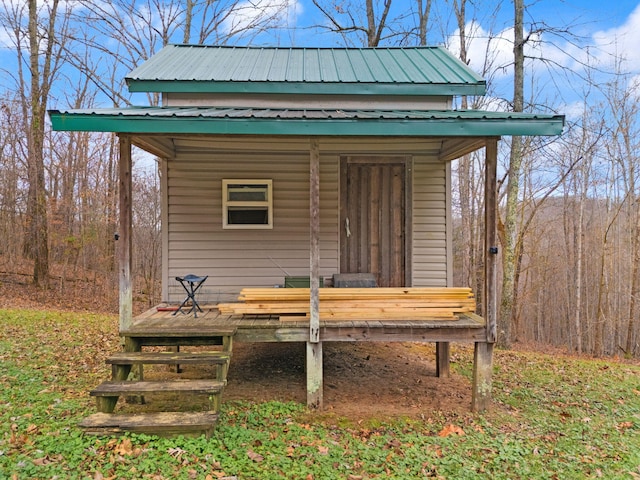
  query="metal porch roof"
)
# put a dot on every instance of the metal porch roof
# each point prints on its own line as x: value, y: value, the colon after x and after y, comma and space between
x: 253, y: 121
x: 367, y: 71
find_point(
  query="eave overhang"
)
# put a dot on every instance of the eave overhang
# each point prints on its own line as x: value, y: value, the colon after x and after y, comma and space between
x: 248, y: 121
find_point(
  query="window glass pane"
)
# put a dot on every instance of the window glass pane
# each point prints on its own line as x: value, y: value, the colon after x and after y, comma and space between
x: 247, y: 193
x: 247, y: 216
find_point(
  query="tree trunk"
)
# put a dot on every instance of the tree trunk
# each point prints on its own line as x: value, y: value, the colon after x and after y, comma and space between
x: 507, y: 304
x: 423, y: 11
x: 37, y: 238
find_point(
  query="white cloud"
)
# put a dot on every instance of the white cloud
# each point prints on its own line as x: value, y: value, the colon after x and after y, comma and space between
x: 622, y: 41
x: 574, y: 111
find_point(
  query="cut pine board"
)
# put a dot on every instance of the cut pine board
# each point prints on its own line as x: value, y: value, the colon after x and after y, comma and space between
x: 356, y: 303
x: 274, y: 294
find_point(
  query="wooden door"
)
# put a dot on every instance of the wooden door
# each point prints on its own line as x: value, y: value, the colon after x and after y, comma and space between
x: 374, y: 219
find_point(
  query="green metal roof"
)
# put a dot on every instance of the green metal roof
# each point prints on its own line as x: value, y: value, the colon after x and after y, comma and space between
x: 349, y: 71
x: 252, y: 121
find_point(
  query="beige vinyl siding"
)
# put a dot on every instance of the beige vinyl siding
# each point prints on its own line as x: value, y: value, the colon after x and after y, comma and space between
x: 233, y: 259
x: 391, y: 102
x: 430, y: 244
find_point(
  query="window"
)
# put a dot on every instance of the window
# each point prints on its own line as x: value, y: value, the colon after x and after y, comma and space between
x: 247, y: 204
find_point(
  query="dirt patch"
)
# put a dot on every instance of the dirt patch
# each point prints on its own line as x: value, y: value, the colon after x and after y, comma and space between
x: 361, y: 380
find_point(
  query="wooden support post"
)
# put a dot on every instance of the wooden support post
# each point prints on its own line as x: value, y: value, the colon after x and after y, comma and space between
x: 125, y: 234
x: 490, y: 300
x: 314, y: 345
x: 314, y: 375
x: 483, y: 353
x: 314, y: 247
x: 443, y: 351
x: 482, y: 371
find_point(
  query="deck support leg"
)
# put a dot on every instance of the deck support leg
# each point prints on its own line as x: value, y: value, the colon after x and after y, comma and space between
x: 314, y: 375
x: 482, y: 372
x: 443, y: 351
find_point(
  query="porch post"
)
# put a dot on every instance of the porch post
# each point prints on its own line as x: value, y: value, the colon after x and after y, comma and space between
x: 491, y: 241
x: 483, y: 357
x: 124, y: 234
x: 314, y: 345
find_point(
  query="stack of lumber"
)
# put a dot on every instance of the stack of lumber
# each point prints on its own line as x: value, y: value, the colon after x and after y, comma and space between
x: 402, y: 303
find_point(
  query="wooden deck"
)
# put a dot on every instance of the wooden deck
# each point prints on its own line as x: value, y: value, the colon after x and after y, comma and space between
x: 160, y: 327
x: 163, y: 326
x: 159, y: 323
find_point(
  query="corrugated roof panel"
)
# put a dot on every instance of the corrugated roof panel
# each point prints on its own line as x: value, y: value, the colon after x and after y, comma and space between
x: 295, y: 68
x: 211, y: 63
x: 449, y: 67
x: 328, y: 68
x: 257, y: 65
x: 198, y: 68
x: 344, y: 67
x: 386, y: 67
x: 419, y: 68
x: 183, y: 120
x: 244, y: 63
x: 312, y: 72
x: 301, y: 113
x: 279, y: 66
x: 361, y: 67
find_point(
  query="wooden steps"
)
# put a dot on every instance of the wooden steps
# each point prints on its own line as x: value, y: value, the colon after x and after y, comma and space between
x: 108, y: 393
x: 356, y: 303
x: 121, y: 362
x: 168, y: 358
x: 159, y: 423
x: 196, y: 387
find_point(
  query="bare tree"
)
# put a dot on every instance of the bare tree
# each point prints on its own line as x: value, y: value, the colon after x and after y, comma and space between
x: 509, y: 233
x: 11, y: 175
x: 424, y: 9
x: 623, y: 103
x: 38, y: 34
x: 358, y: 26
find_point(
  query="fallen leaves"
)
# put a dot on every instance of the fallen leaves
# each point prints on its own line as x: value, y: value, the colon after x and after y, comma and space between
x: 623, y: 426
x: 124, y: 448
x: 256, y: 457
x: 451, y: 430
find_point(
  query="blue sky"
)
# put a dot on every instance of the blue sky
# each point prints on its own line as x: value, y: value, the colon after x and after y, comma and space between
x: 602, y: 28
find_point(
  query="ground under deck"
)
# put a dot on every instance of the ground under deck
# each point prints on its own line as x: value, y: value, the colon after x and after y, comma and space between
x: 159, y: 324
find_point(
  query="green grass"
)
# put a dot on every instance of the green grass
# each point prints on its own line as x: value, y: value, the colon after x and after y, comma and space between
x: 553, y: 417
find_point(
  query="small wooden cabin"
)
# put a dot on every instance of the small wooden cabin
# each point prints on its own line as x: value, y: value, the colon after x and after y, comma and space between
x: 308, y: 162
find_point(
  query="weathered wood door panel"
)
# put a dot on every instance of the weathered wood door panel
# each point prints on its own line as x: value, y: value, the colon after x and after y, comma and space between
x: 374, y: 218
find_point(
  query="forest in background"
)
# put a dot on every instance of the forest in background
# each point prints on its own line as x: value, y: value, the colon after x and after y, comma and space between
x: 569, y: 223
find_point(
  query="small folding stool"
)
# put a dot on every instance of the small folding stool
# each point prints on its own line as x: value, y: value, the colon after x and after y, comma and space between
x: 191, y: 283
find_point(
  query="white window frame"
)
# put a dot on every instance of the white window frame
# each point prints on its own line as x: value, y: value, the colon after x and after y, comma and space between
x: 248, y: 204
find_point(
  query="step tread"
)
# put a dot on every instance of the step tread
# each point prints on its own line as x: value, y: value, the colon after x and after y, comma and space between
x: 114, y: 388
x: 168, y: 358
x: 155, y: 422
